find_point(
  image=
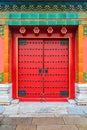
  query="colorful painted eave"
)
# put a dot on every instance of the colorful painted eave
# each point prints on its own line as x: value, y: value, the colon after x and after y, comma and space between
x: 44, y: 5
x: 40, y: 13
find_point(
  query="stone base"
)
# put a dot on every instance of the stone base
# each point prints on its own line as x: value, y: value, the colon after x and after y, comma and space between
x: 81, y: 94
x: 5, y: 94
x: 72, y: 101
x: 16, y: 101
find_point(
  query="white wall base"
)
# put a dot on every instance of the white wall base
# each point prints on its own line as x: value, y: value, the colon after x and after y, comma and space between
x: 5, y: 93
x: 81, y: 93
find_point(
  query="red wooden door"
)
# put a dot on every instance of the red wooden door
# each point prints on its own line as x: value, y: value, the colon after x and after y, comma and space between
x: 56, y: 69
x: 43, y: 69
x: 30, y: 64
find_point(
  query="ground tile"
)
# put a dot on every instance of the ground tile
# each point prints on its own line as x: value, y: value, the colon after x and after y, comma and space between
x: 75, y: 120
x: 1, y: 118
x: 82, y: 127
x: 48, y: 120
x: 61, y: 111
x: 16, y: 121
x: 57, y: 127
x: 11, y: 109
x: 75, y: 110
x: 41, y: 115
x: 1, y: 109
x: 25, y: 127
x: 7, y: 127
x: 85, y: 110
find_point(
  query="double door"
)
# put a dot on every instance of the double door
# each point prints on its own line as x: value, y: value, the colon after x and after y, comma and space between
x: 43, y: 69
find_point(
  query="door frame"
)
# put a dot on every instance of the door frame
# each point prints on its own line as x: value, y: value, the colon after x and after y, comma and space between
x: 15, y: 66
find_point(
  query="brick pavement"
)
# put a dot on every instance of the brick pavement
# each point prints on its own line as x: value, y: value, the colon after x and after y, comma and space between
x: 43, y: 123
x: 43, y: 116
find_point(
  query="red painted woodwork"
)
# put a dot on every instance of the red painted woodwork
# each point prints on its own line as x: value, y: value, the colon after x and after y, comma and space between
x: 56, y: 68
x: 43, y: 68
x: 30, y: 64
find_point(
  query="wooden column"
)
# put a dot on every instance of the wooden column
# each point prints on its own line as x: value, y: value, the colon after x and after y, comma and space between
x: 80, y: 54
x: 6, y: 54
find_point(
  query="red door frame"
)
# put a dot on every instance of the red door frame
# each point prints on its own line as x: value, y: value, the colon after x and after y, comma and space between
x: 71, y: 38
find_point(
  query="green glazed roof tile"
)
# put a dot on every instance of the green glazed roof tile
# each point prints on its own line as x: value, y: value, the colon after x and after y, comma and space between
x: 43, y: 15
x: 61, y: 15
x: 82, y: 15
x: 43, y: 23
x: 60, y: 22
x: 34, y: 22
x: 52, y: 15
x: 27, y: 15
x: 71, y: 15
x: 13, y: 22
x: 15, y: 15
x: 52, y: 22
x: 34, y: 15
x: 25, y: 23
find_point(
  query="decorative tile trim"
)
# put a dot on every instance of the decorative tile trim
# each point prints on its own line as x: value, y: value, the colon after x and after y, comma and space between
x: 45, y: 15
x: 50, y: 6
x: 1, y: 31
x: 44, y: 22
x: 1, y: 77
x: 85, y: 76
x: 85, y: 30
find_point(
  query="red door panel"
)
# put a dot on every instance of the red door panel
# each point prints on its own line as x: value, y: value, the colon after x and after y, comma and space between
x: 56, y: 68
x: 30, y: 63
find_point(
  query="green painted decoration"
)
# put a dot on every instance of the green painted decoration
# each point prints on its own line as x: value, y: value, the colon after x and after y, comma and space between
x: 85, y: 76
x: 1, y: 31
x: 1, y: 77
x: 85, y: 30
